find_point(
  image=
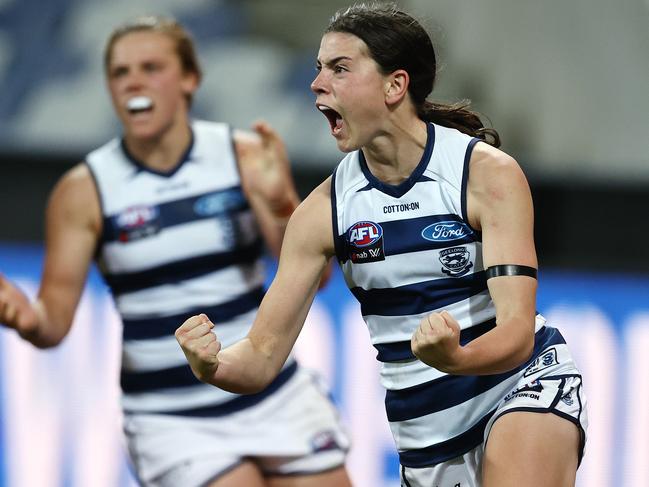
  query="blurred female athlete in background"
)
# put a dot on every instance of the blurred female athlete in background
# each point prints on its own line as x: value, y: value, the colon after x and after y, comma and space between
x: 433, y: 229
x: 177, y: 212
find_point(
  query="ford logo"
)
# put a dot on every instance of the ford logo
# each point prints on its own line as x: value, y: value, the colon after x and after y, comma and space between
x: 445, y: 231
x: 215, y: 203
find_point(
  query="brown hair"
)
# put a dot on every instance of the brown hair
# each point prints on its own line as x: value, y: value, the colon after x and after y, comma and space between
x: 396, y: 40
x: 164, y: 25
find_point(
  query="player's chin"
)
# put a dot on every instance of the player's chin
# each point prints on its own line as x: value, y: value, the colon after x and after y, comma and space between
x: 140, y: 132
x: 346, y: 145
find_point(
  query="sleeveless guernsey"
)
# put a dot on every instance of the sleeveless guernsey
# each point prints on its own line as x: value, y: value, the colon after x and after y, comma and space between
x: 173, y: 245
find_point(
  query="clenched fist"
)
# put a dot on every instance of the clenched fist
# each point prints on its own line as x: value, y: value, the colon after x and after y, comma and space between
x: 200, y: 345
x: 436, y: 342
x: 16, y: 310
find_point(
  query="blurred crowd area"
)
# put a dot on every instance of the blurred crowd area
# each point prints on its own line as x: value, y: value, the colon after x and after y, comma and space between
x: 565, y: 83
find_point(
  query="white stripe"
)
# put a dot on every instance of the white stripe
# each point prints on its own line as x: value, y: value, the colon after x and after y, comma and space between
x: 211, y: 289
x: 200, y: 174
x: 175, y: 399
x: 404, y: 269
x: 179, y: 242
x: 401, y: 375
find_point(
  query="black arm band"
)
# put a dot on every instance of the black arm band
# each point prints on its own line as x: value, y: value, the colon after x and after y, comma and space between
x: 510, y: 270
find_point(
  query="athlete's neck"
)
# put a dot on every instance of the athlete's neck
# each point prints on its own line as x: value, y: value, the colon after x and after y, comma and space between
x: 394, y: 155
x: 161, y: 153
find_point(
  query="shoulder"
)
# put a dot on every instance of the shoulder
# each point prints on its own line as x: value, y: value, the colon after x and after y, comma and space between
x: 311, y: 221
x: 77, y: 179
x: 317, y: 205
x: 491, y: 168
x: 75, y: 194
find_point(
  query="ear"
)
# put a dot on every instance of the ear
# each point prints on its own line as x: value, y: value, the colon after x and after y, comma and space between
x: 396, y: 86
x: 189, y: 83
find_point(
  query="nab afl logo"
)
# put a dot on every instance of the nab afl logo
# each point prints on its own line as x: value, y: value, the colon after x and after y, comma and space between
x: 136, y: 216
x: 137, y: 222
x: 365, y: 242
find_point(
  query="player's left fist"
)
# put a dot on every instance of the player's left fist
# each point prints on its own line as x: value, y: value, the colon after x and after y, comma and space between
x: 436, y: 341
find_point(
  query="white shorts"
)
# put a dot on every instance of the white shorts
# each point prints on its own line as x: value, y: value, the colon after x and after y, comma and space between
x: 294, y: 431
x: 561, y: 394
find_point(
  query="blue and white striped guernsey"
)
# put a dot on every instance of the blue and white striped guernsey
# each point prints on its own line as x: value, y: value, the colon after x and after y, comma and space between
x: 173, y: 245
x: 408, y: 250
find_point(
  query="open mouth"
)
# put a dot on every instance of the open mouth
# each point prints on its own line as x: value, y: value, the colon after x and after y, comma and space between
x: 334, y: 118
x: 139, y: 104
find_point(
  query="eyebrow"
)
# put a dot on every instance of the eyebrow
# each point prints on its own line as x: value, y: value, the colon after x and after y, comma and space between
x: 333, y: 61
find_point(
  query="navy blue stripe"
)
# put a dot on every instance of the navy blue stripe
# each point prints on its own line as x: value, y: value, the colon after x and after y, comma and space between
x: 393, y: 352
x: 403, y: 236
x: 420, y: 297
x: 167, y: 325
x: 452, y: 448
x: 240, y: 402
x: 465, y: 181
x: 182, y: 270
x: 397, y: 351
x: 370, y: 186
x: 399, y: 190
x: 451, y: 390
x: 136, y: 382
x: 338, y: 239
x: 213, y: 204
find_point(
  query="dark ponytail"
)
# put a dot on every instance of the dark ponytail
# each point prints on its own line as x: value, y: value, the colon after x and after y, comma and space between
x: 459, y: 117
x: 397, y: 41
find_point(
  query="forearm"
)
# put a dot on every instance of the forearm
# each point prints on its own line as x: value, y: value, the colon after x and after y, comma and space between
x: 45, y: 331
x: 497, y: 351
x: 245, y: 368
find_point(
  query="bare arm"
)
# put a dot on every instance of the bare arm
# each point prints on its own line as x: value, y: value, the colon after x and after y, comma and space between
x: 72, y: 227
x: 500, y: 205
x: 267, y: 181
x: 251, y: 364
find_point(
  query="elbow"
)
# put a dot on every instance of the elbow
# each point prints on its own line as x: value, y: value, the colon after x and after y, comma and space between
x: 239, y: 388
x: 45, y: 343
x: 525, y: 351
x: 237, y: 381
x: 42, y: 341
x: 247, y: 389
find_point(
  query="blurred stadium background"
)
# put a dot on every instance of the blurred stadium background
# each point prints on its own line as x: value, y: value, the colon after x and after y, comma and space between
x: 565, y: 83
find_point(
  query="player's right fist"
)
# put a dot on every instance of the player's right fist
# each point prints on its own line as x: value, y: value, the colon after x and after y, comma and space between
x: 16, y: 311
x: 200, y: 346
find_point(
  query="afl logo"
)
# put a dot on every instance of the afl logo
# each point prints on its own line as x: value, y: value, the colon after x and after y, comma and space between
x: 445, y: 231
x: 136, y: 216
x: 364, y: 234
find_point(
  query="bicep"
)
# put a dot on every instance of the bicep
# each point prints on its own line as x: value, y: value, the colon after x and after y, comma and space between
x: 500, y: 205
x: 72, y: 228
